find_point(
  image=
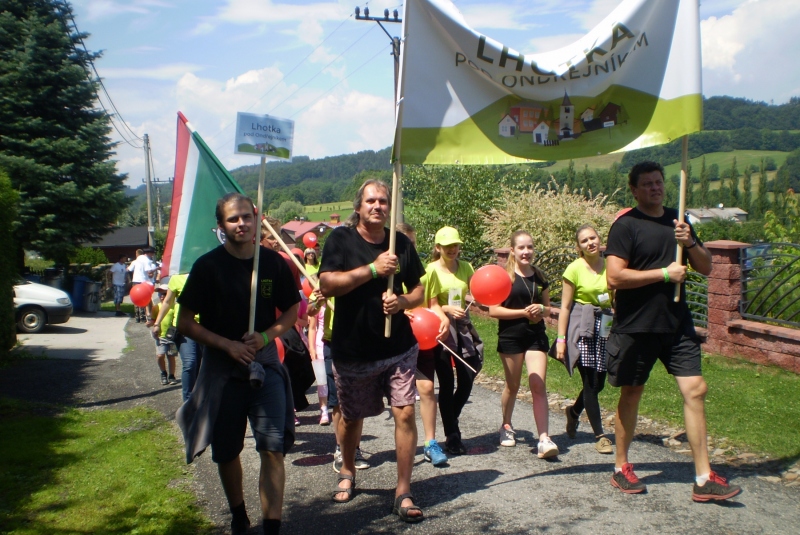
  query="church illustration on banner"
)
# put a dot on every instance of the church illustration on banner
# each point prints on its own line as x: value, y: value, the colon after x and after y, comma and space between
x: 536, y: 119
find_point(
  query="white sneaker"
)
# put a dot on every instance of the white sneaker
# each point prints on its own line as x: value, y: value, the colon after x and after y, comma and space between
x: 547, y: 448
x: 507, y: 436
x: 361, y: 462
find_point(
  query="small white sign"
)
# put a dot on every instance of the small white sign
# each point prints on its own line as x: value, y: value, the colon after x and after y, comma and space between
x: 264, y: 135
x: 454, y: 297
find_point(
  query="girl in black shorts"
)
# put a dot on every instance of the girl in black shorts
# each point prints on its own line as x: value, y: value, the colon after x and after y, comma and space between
x: 522, y: 338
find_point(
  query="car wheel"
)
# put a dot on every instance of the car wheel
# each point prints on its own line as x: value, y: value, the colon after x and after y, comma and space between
x: 31, y: 320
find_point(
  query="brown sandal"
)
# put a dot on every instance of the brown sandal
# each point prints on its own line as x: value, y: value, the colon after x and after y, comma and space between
x: 339, y: 490
x: 402, y: 512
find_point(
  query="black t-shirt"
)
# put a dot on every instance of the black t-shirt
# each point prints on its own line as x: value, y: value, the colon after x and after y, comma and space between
x: 358, y: 321
x: 647, y: 243
x: 218, y: 288
x: 524, y: 292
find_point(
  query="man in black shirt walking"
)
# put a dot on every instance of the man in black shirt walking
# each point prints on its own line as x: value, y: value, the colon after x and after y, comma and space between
x: 367, y: 365
x: 225, y: 395
x: 649, y: 325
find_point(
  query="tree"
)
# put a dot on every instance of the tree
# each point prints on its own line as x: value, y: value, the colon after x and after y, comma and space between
x: 54, y: 140
x: 456, y: 196
x: 760, y: 204
x: 8, y: 209
x: 704, y: 184
x: 747, y: 198
x: 288, y: 210
x: 734, y: 182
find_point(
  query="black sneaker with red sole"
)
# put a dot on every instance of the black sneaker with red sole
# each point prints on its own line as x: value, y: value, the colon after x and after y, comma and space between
x: 716, y: 488
x: 626, y: 480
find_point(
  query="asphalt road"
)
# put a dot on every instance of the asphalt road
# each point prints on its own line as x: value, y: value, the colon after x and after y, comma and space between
x: 489, y: 490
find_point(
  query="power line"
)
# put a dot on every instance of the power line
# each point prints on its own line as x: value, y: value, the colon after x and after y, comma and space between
x: 285, y: 76
x: 340, y: 81
x: 316, y: 74
x: 88, y: 56
x: 321, y: 70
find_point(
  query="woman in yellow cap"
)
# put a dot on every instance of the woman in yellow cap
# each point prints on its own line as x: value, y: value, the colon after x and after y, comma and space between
x: 449, y: 277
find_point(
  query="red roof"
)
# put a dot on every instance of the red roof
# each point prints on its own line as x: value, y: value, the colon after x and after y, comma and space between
x: 298, y: 228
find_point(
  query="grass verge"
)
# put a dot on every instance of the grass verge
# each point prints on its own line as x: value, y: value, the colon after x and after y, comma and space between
x: 753, y: 406
x: 105, y: 471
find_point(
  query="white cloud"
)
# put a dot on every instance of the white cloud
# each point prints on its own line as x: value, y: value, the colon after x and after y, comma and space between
x: 493, y: 16
x: 102, y: 9
x: 247, y: 12
x: 345, y: 123
x: 591, y: 16
x: 748, y: 53
x: 160, y: 72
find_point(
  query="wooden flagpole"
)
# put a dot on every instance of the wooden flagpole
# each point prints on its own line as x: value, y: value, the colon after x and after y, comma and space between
x: 257, y: 246
x: 397, y: 172
x: 682, y: 206
x: 301, y: 267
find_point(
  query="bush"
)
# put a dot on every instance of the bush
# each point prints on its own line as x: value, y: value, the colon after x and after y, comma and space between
x: 89, y: 255
x: 8, y: 272
x: 551, y: 216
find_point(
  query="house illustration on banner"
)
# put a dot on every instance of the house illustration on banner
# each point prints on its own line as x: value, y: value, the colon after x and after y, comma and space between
x: 508, y: 126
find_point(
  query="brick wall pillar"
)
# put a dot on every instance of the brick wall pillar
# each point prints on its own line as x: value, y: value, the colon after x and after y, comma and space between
x: 724, y: 291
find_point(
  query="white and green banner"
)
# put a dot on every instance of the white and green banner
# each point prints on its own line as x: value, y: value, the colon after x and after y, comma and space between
x: 264, y: 135
x: 633, y: 81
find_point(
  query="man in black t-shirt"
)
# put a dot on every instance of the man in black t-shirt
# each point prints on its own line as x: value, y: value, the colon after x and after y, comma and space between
x: 218, y: 289
x: 649, y: 325
x: 367, y: 365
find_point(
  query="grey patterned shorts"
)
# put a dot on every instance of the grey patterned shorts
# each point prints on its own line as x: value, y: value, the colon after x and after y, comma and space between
x: 362, y: 385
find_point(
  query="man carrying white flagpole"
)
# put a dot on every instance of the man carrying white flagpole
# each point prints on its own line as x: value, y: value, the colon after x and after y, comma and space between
x: 650, y: 325
x: 368, y: 366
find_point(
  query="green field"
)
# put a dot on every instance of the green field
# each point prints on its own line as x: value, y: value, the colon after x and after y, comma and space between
x: 724, y: 160
x: 322, y: 212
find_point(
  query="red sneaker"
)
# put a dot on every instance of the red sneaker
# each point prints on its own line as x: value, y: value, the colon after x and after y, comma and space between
x: 626, y: 480
x: 716, y: 488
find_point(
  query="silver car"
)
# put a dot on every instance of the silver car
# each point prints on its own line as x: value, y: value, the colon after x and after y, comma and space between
x: 37, y: 305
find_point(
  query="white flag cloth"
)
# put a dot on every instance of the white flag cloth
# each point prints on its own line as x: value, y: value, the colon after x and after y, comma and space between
x: 633, y: 81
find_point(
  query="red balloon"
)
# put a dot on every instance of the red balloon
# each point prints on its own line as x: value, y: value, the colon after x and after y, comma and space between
x: 141, y: 294
x: 310, y: 239
x: 425, y: 325
x: 490, y: 285
x: 297, y: 252
x: 281, y: 349
x: 307, y: 287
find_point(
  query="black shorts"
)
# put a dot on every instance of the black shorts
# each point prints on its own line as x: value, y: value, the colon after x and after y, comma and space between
x: 632, y: 356
x: 264, y: 407
x: 521, y: 341
x: 426, y: 362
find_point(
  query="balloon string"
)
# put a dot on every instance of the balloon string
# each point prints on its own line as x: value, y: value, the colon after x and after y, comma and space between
x: 458, y: 357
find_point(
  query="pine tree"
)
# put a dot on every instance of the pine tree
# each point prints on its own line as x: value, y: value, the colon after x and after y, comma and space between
x: 747, y: 198
x: 689, y: 185
x: 760, y: 204
x: 734, y: 182
x: 54, y: 141
x: 704, y: 184
x: 571, y: 176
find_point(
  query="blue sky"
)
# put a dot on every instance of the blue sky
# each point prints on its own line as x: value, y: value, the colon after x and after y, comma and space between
x: 311, y: 61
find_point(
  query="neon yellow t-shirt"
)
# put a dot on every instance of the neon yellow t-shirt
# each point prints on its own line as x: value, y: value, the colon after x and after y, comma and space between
x: 449, y: 288
x: 588, y: 286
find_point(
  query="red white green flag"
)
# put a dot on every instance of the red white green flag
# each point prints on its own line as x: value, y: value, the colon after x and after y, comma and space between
x: 200, y: 180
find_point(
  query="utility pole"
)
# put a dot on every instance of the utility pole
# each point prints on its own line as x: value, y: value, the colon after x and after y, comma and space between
x: 396, y: 54
x: 157, y: 183
x: 150, y: 229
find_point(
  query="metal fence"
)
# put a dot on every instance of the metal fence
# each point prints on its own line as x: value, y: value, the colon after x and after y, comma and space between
x: 697, y: 298
x: 771, y: 283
